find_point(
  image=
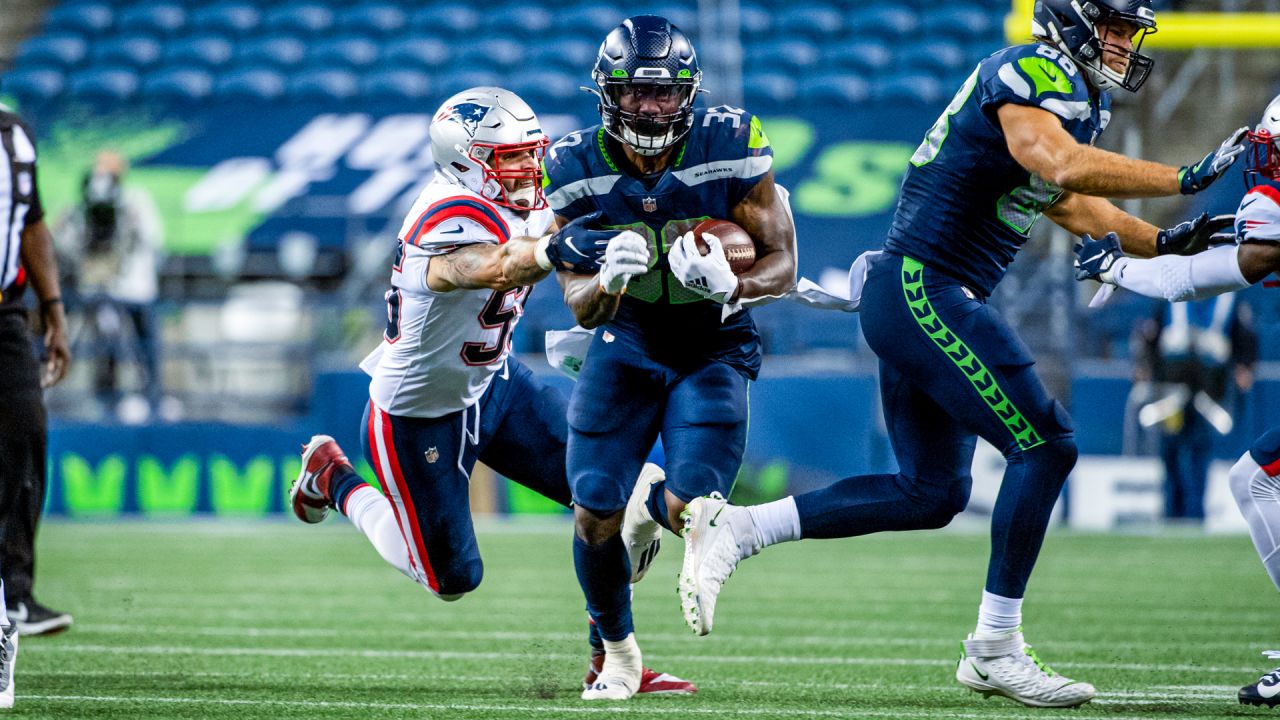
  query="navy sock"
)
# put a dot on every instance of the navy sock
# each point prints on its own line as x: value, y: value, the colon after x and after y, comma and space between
x: 604, y: 572
x: 658, y: 505
x: 1032, y: 482
x: 345, y: 481
x: 874, y: 503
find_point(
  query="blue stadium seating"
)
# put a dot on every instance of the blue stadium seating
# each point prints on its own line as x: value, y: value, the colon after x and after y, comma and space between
x: 959, y: 22
x: 574, y: 56
x: 323, y: 85
x: 527, y: 21
x: 909, y: 88
x: 137, y: 51
x: 888, y: 21
x: 497, y: 54
x: 544, y: 89
x: 683, y: 16
x: 452, y: 20
x: 454, y: 82
x: 236, y: 17
x: 770, y: 89
x: 941, y: 59
x: 787, y: 56
x: 212, y: 51
x: 416, y: 53
x: 396, y: 85
x: 157, y: 18
x: 589, y: 20
x: 88, y: 18
x: 755, y: 21
x: 33, y: 85
x: 867, y: 56
x: 373, y: 19
x: 281, y: 51
x: 250, y: 83
x: 304, y: 18
x: 835, y: 89
x: 815, y: 22
x: 104, y: 84
x: 344, y: 52
x: 61, y: 50
x: 178, y: 85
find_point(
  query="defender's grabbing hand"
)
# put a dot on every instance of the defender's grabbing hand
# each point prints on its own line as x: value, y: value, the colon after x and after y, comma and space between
x: 1192, y: 236
x: 1094, y: 258
x: 1194, y: 178
x: 625, y: 256
x: 707, y: 275
x: 576, y: 247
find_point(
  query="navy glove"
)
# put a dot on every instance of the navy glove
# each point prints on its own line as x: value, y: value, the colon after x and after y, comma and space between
x: 578, y: 247
x: 1094, y: 258
x: 1194, y: 178
x: 1192, y: 236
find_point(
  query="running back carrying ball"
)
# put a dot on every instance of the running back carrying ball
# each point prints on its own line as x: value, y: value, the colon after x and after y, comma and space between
x: 739, y: 248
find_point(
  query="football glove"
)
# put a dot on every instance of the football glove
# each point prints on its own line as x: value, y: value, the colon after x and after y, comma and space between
x: 1194, y: 178
x: 707, y: 275
x: 1094, y: 258
x: 625, y: 256
x: 576, y: 246
x: 1193, y: 236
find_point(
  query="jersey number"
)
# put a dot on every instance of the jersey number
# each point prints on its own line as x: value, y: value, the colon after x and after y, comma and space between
x: 932, y: 143
x: 394, y: 299
x: 502, y: 311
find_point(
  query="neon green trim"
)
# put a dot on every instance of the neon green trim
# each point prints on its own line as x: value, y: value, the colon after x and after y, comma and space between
x: 619, y: 72
x: 603, y: 151
x: 951, y: 345
x: 758, y: 139
x: 680, y: 156
x: 1046, y: 74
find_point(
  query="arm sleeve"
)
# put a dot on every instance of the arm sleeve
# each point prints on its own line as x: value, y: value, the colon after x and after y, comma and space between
x: 1177, y: 278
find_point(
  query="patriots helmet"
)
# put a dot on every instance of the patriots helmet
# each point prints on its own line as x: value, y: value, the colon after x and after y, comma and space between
x: 471, y: 133
x: 646, y: 50
x: 1263, y: 161
x: 1071, y: 26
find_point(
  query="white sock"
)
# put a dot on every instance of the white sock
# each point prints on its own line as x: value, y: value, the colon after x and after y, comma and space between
x: 998, y: 614
x: 371, y: 513
x: 775, y: 522
x: 1258, y: 497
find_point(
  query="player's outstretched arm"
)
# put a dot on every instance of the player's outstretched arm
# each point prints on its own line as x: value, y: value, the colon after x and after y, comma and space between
x: 762, y: 214
x: 1177, y: 278
x: 1037, y: 140
x: 1081, y: 214
x: 500, y: 267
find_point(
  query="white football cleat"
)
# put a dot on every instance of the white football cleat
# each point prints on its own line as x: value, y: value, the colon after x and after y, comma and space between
x: 619, y: 678
x: 1005, y: 665
x: 641, y: 534
x: 8, y: 659
x: 309, y: 495
x: 717, y: 536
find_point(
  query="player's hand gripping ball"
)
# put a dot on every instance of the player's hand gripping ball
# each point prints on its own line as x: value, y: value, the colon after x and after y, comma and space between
x: 739, y: 248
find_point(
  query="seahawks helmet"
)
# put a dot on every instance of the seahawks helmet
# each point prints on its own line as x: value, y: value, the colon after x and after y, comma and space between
x: 1071, y: 25
x: 475, y: 128
x: 646, y: 50
x: 1263, y: 161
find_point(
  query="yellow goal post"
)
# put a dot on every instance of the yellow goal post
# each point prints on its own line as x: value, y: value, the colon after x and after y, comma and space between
x: 1180, y: 30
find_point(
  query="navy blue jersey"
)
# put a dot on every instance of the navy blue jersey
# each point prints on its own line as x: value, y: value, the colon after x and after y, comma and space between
x: 723, y: 157
x: 966, y: 205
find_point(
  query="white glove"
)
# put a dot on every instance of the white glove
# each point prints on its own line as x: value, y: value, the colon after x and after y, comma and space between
x: 626, y: 256
x: 707, y: 275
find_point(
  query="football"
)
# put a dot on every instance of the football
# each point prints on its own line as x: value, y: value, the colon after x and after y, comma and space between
x: 739, y: 248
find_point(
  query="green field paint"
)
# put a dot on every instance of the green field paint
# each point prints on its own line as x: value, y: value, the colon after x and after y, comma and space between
x: 170, y: 491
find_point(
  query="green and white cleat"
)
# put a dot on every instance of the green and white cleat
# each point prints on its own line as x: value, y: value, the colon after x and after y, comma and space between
x: 1005, y: 665
x: 717, y: 536
x: 641, y: 534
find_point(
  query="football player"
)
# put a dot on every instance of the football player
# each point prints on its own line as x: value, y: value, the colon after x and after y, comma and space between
x: 1252, y: 255
x: 673, y: 355
x: 445, y: 391
x: 1016, y: 142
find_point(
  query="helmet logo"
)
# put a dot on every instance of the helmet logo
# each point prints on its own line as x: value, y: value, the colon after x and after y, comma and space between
x: 469, y: 115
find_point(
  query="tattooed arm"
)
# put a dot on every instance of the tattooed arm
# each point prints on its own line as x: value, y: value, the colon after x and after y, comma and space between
x: 500, y: 267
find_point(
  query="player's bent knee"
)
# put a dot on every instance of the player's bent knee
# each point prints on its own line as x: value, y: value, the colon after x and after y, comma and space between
x: 1241, y: 480
x: 940, y: 510
x: 458, y: 580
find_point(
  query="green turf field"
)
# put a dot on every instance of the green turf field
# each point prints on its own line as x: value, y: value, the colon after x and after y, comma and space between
x: 276, y: 620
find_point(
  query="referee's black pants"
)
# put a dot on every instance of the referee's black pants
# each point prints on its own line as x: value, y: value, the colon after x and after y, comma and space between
x: 23, y: 444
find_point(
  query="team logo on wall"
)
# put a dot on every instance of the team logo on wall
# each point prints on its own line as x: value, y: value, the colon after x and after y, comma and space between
x: 649, y: 204
x: 432, y: 455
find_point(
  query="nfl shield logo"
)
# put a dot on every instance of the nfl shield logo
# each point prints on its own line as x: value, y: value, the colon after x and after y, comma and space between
x: 432, y: 455
x: 649, y: 204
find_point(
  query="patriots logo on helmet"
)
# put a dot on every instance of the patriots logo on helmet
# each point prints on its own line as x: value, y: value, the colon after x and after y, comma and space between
x: 468, y: 114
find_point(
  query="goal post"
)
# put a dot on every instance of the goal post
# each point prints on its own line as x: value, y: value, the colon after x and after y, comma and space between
x: 1181, y: 30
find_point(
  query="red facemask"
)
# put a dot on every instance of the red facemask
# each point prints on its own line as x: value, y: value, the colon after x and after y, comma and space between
x: 536, y: 200
x: 1263, y: 158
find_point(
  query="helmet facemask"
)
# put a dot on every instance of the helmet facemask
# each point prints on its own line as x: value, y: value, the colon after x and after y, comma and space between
x: 647, y: 134
x: 1103, y: 76
x: 1076, y: 28
x: 492, y: 158
x: 1262, y: 160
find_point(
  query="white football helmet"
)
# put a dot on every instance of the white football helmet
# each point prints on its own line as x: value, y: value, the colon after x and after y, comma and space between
x: 1264, y: 147
x: 474, y: 129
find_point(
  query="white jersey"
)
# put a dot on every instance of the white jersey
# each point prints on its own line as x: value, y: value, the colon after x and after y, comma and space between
x: 441, y: 349
x: 1258, y: 218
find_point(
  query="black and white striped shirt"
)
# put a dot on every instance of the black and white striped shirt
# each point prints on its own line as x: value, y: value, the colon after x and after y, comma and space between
x: 19, y: 198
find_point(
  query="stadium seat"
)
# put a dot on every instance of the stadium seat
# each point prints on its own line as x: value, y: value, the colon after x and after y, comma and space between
x: 589, y: 20
x: 959, y: 22
x: 62, y: 50
x: 416, y: 52
x: 497, y: 54
x: 305, y: 18
x: 754, y: 21
x: 395, y: 85
x: 281, y: 51
x: 233, y: 17
x: 379, y: 19
x: 812, y: 21
x: 544, y: 88
x: 450, y: 83
x: 528, y: 21
x: 769, y: 88
x: 683, y: 16
x: 178, y: 85
x: 941, y: 59
x: 344, y: 52
x: 90, y: 18
x: 211, y: 51
x: 104, y: 84
x: 253, y: 84
x: 889, y: 21
x: 835, y: 90
x: 909, y: 89
x: 33, y: 85
x: 865, y: 56
x: 786, y: 56
x: 157, y: 18
x: 137, y: 51
x: 323, y: 85
x: 574, y: 56
x: 456, y: 21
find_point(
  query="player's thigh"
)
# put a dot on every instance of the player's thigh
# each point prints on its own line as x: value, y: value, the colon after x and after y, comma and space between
x: 424, y: 467
x: 704, y: 431
x: 526, y: 433
x: 934, y: 450
x: 961, y: 353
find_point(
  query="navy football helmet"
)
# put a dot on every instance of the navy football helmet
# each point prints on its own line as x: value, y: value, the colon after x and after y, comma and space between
x: 1071, y: 25
x: 646, y: 50
x: 1263, y: 160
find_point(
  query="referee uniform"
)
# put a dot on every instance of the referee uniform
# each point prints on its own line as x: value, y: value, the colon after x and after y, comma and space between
x: 23, y: 435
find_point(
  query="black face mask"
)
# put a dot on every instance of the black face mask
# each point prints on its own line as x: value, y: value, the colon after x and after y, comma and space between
x: 101, y: 192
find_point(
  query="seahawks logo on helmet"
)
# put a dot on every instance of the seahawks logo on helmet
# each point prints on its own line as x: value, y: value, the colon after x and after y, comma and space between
x: 469, y: 115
